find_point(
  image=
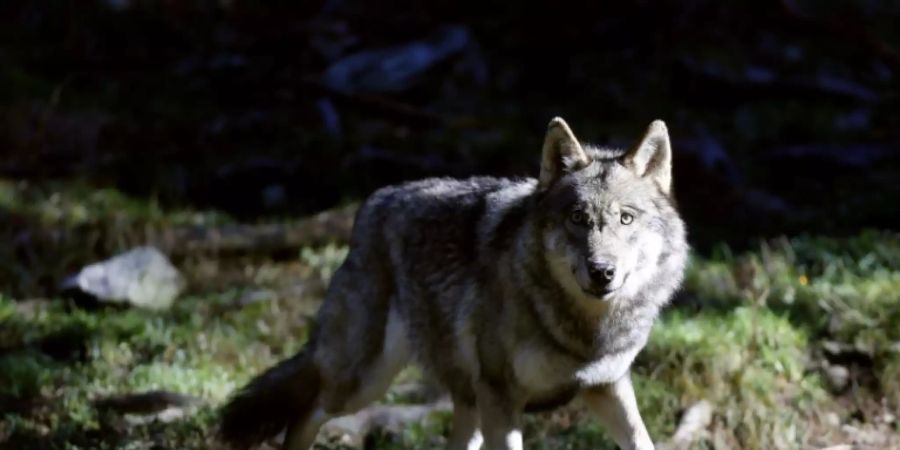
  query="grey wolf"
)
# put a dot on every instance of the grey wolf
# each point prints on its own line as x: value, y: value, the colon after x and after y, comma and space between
x: 515, y: 294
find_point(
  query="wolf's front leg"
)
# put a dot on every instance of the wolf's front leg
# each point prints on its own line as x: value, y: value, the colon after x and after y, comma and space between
x: 500, y: 419
x: 615, y: 406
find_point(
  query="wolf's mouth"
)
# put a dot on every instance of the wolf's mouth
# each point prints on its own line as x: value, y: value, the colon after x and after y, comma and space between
x: 606, y: 291
x: 602, y: 294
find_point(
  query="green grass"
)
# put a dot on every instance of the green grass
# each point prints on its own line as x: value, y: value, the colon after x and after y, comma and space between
x: 749, y: 363
x: 52, y: 228
x: 746, y: 335
x: 204, y: 347
x: 750, y: 337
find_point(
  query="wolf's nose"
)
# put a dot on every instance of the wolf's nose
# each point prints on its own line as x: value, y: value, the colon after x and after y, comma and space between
x: 602, y: 273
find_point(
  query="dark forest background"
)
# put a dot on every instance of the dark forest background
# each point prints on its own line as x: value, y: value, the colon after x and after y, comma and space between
x: 784, y: 114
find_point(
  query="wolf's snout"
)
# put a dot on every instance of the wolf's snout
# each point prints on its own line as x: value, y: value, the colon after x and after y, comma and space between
x: 602, y: 273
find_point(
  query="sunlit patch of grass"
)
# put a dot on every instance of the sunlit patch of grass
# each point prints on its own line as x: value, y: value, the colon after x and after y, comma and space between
x: 755, y: 320
x: 205, y: 347
x: 752, y: 364
x: 842, y: 289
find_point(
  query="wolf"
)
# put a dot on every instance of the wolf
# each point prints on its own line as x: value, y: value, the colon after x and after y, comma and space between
x: 515, y: 294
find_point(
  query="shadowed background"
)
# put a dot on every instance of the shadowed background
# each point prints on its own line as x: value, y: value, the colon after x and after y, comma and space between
x: 783, y: 113
x: 124, y: 122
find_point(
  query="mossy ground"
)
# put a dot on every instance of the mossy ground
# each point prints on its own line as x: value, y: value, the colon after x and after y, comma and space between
x: 747, y: 333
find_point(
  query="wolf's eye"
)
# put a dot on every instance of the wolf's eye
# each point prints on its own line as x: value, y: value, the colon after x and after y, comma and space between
x: 578, y: 217
x: 627, y: 218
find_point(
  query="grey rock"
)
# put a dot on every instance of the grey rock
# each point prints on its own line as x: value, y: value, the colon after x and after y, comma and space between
x: 392, y: 69
x: 838, y: 377
x: 142, y: 277
x: 894, y: 347
x: 842, y: 351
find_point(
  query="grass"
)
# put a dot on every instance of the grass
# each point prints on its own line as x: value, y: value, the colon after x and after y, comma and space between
x: 53, y: 228
x: 747, y: 334
x: 73, y: 204
x: 204, y: 347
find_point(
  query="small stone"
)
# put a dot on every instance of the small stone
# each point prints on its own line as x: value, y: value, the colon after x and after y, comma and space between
x: 835, y: 348
x: 894, y: 347
x: 838, y: 377
x: 142, y: 277
x: 833, y: 419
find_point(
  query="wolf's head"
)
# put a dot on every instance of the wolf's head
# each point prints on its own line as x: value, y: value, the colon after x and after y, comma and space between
x: 609, y: 226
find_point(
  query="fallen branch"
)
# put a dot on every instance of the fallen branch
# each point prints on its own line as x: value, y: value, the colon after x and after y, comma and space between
x: 146, y: 402
x: 328, y: 226
x: 352, y: 429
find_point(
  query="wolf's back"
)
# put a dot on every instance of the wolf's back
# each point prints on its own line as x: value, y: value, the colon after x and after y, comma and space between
x: 435, y: 212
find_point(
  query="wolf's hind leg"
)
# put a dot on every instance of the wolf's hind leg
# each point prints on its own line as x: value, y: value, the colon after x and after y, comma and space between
x: 374, y: 377
x: 465, y: 433
x: 344, y: 393
x: 302, y: 434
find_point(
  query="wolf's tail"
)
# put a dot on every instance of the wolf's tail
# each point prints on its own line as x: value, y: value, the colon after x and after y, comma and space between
x: 271, y: 401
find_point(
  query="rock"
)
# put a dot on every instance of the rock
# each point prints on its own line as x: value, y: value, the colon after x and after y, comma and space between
x: 709, y: 151
x: 836, y: 348
x: 393, y: 69
x: 256, y: 296
x: 844, y: 353
x: 838, y: 377
x: 867, y: 436
x: 142, y: 277
x: 894, y: 347
x: 849, y: 156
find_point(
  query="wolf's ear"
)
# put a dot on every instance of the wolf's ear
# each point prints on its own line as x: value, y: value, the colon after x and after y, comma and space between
x: 652, y: 157
x: 562, y: 153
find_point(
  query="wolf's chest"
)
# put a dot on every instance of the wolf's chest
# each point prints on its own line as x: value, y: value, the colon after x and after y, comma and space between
x: 543, y: 372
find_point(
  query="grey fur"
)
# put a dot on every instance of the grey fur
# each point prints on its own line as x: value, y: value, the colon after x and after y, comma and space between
x: 485, y: 283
